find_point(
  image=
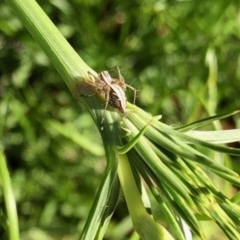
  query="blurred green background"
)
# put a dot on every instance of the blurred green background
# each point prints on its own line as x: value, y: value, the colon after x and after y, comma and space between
x: 182, y: 56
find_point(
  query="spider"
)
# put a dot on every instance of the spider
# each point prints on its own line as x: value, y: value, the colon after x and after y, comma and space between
x: 113, y: 89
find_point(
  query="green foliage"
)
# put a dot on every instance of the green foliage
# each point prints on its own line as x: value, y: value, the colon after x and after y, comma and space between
x: 182, y: 57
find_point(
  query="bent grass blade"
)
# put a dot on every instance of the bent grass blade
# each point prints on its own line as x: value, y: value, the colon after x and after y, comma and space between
x: 131, y: 144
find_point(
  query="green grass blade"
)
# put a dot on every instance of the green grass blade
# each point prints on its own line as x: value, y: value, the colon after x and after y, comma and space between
x: 108, y: 193
x: 131, y: 144
x: 223, y: 149
x: 205, y: 121
x: 146, y: 227
x: 216, y: 137
x: 164, y: 205
x: 103, y: 207
x: 236, y: 198
x: 146, y: 152
x: 178, y: 147
x: 9, y: 199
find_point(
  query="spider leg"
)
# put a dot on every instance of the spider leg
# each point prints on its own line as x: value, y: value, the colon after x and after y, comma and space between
x: 99, y: 84
x: 120, y: 75
x: 106, y: 104
x: 123, y: 85
x: 91, y: 75
x: 134, y: 90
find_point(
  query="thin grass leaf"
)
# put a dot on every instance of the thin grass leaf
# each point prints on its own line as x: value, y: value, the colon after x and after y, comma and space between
x: 191, y: 220
x: 103, y: 207
x: 185, y: 151
x: 183, y: 209
x: 205, y: 121
x: 204, y: 181
x: 216, y: 137
x: 171, y: 217
x: 188, y: 139
x: 232, y: 210
x: 167, y: 138
x: 110, y: 208
x: 3, y: 220
x: 223, y: 149
x: 173, y: 144
x: 141, y: 167
x: 108, y: 193
x: 225, y: 223
x: 146, y: 227
x: 147, y: 153
x: 236, y: 198
x: 141, y: 188
x: 129, y: 145
x: 9, y: 200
